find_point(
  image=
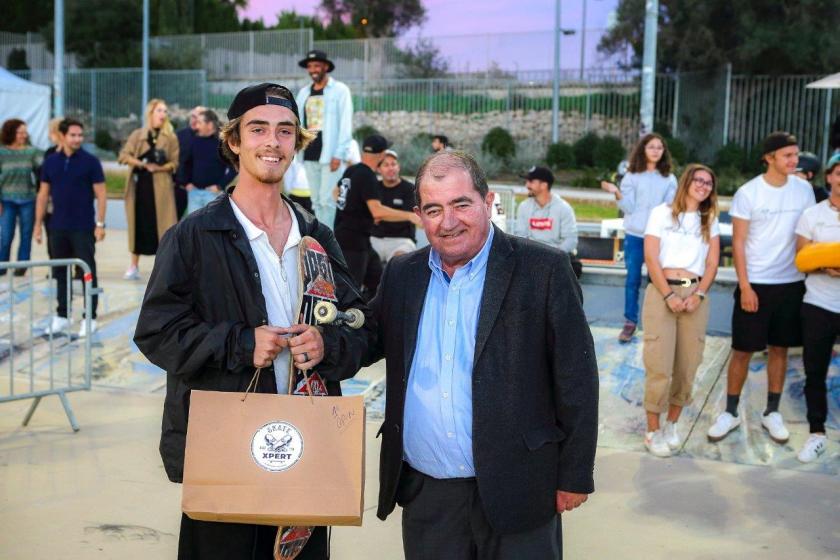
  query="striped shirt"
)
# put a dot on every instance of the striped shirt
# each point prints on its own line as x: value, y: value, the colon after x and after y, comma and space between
x: 17, y: 173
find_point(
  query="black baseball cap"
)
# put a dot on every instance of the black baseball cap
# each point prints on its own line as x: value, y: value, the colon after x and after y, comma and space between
x: 540, y: 174
x: 254, y: 96
x: 777, y: 141
x: 374, y: 144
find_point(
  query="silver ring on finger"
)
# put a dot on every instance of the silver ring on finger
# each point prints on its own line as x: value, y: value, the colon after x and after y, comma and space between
x: 306, y: 356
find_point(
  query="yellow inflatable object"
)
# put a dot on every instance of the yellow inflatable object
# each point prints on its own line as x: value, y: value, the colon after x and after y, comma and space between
x: 818, y: 255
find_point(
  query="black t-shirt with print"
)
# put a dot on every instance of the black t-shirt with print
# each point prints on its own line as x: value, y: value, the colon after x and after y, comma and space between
x: 353, y: 220
x: 399, y: 197
x: 313, y: 151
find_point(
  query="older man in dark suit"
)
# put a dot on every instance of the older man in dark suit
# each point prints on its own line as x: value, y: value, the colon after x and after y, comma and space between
x: 492, y: 397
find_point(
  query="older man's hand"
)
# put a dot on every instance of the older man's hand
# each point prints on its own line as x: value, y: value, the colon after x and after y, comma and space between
x: 268, y: 342
x: 567, y: 501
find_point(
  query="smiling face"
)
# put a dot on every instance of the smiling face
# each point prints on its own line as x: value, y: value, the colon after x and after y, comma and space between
x: 455, y: 217
x: 784, y: 160
x: 701, y: 185
x: 266, y: 143
x: 317, y: 70
x: 833, y: 179
x: 535, y: 187
x: 74, y: 137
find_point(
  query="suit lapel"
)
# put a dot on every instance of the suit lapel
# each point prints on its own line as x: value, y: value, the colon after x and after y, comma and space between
x: 496, y: 282
x: 413, y: 299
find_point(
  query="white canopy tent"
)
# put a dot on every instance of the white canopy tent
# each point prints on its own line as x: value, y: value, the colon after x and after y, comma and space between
x: 828, y: 83
x: 28, y: 101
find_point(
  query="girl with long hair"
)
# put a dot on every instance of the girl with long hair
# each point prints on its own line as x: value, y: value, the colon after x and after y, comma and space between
x: 682, y: 248
x: 648, y: 183
x: 152, y: 153
x: 19, y: 165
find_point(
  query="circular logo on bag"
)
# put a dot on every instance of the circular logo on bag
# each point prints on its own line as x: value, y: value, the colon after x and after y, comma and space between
x: 277, y: 446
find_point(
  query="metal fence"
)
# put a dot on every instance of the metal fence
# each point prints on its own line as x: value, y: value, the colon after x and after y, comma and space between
x: 40, y: 363
x: 36, y: 53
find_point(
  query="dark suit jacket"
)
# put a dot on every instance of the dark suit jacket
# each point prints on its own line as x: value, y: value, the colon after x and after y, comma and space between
x: 535, y: 380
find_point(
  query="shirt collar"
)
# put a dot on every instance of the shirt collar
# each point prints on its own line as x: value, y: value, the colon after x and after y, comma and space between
x: 253, y: 232
x: 475, y: 264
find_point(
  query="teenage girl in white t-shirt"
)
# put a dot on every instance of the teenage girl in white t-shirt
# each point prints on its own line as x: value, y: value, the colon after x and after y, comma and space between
x: 682, y: 248
x: 820, y: 310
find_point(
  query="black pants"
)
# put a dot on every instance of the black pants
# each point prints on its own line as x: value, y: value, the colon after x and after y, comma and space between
x: 304, y: 201
x: 366, y: 269
x: 820, y: 328
x: 204, y: 540
x: 66, y: 244
x: 444, y: 519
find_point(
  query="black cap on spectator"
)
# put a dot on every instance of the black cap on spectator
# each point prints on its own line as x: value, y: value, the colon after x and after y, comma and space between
x: 254, y: 96
x: 374, y: 144
x: 777, y: 141
x: 540, y: 174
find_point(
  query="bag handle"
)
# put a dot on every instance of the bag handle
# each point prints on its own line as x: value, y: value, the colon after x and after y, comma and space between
x: 252, y: 384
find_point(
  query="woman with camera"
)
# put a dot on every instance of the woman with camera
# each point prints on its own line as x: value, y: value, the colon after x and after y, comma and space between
x: 152, y: 153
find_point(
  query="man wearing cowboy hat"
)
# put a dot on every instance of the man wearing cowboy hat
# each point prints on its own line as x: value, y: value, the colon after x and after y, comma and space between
x: 327, y: 108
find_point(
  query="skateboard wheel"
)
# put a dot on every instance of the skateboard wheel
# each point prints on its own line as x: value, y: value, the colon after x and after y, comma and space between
x: 325, y: 312
x: 356, y: 318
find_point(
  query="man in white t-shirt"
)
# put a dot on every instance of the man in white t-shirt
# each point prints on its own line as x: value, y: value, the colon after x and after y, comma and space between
x: 820, y: 310
x: 770, y: 288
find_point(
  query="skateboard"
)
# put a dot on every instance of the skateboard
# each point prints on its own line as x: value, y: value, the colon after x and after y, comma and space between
x: 317, y: 305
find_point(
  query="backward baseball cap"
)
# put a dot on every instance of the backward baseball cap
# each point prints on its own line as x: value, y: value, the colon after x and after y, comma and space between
x: 255, y: 96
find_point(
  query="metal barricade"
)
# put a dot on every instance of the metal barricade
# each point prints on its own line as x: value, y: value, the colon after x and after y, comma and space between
x: 504, y: 211
x: 49, y: 369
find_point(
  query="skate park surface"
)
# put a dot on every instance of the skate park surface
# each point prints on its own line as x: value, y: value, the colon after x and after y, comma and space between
x: 102, y: 492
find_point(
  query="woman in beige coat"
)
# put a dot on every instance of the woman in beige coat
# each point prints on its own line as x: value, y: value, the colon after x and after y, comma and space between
x: 152, y: 152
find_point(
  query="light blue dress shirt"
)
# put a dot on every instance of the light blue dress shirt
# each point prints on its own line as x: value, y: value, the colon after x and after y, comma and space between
x: 437, y: 424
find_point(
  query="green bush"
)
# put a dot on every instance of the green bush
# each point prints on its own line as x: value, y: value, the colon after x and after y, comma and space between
x: 608, y: 153
x: 423, y: 140
x: 731, y: 155
x: 753, y: 162
x: 728, y: 179
x: 679, y: 152
x: 584, y: 149
x: 560, y: 156
x: 363, y: 132
x: 589, y: 179
x: 104, y: 141
x: 499, y: 143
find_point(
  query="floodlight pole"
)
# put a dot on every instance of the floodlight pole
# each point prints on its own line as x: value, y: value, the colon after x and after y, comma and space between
x: 58, y: 53
x: 555, y: 94
x: 649, y: 67
x: 145, y: 78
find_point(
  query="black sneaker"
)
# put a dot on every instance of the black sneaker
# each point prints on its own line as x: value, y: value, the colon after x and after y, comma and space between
x: 626, y: 334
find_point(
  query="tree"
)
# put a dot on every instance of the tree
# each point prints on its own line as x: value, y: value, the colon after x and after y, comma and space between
x: 423, y: 60
x: 333, y: 30
x: 375, y: 18
x: 756, y: 36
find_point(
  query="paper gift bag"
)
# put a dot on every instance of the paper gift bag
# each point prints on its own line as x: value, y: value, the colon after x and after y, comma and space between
x: 274, y: 459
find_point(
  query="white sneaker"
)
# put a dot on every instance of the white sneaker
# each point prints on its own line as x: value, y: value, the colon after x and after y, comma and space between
x: 656, y: 445
x: 57, y: 325
x: 724, y: 424
x: 775, y: 426
x: 672, y: 438
x: 83, y: 332
x: 813, y: 448
x: 133, y: 273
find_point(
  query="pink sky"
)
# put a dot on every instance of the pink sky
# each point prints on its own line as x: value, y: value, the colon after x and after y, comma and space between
x: 460, y: 17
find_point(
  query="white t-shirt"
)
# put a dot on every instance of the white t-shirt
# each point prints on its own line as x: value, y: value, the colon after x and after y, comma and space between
x: 772, y: 213
x: 681, y: 244
x: 278, y: 282
x: 821, y: 223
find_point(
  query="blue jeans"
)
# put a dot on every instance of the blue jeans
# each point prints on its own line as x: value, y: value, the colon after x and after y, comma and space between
x: 14, y: 211
x: 199, y: 198
x: 634, y: 258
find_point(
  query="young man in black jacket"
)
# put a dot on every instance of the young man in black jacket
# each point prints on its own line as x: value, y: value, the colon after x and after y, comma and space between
x: 222, y: 300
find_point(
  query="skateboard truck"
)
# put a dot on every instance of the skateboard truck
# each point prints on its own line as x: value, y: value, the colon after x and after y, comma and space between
x: 327, y: 313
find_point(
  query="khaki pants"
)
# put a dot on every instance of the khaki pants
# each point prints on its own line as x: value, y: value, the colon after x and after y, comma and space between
x: 673, y: 349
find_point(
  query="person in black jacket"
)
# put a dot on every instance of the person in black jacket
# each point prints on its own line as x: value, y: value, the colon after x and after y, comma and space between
x: 491, y: 413
x: 222, y: 300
